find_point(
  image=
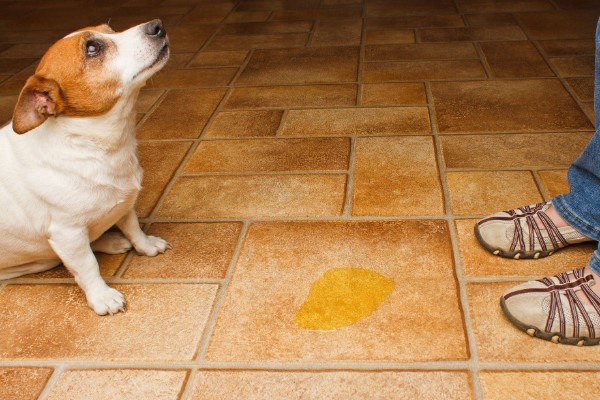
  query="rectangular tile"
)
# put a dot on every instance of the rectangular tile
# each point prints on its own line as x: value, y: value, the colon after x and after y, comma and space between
x: 219, y: 58
x: 559, y: 24
x: 473, y: 34
x: 377, y: 94
x: 490, y: 6
x: 266, y: 28
x: 169, y: 317
x: 193, y: 78
x: 181, y: 114
x: 568, y: 47
x: 493, y: 19
x: 506, y: 106
x: 421, y: 52
x: 555, y: 182
x: 333, y: 12
x: 574, y: 66
x: 479, y: 262
x: 159, y: 160
x: 423, y: 70
x: 122, y: 384
x: 583, y: 87
x: 255, y: 196
x: 357, y: 121
x: 515, y: 60
x: 20, y: 383
x: 278, y: 285
x: 513, y: 150
x: 391, y: 8
x: 292, y: 96
x: 499, y: 385
x: 254, y: 385
x: 390, y: 37
x: 301, y: 66
x: 200, y: 251
x: 487, y: 192
x: 396, y: 176
x: 247, y: 42
x: 245, y: 124
x: 489, y: 324
x: 414, y: 21
x: 270, y: 155
x: 338, y: 33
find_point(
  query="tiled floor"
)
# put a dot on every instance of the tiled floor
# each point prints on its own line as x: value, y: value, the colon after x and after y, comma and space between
x: 288, y: 138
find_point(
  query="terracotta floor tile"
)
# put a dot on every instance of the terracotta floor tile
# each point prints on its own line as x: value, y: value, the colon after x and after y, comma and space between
x: 253, y: 385
x: 247, y: 42
x: 201, y: 251
x: 7, y: 105
x: 181, y: 114
x: 539, y: 384
x: 414, y: 21
x: 189, y: 37
x: 423, y: 70
x: 390, y: 37
x: 25, y: 50
x: 249, y: 16
x: 163, y: 322
x: 338, y: 33
x: 559, y: 25
x: 477, y: 261
x: 583, y: 87
x: 574, y: 66
x: 245, y: 124
x: 13, y: 86
x: 513, y: 150
x: 14, y: 65
x: 420, y: 52
x: 23, y: 383
x: 473, y: 34
x: 397, y: 176
x: 255, y: 196
x: 357, y: 121
x: 291, y: 96
x: 488, y: 6
x: 270, y: 155
x: 192, y: 78
x: 498, y: 340
x: 506, y: 106
x: 147, y: 99
x: 303, y: 66
x: 555, y: 182
x: 348, y: 11
x: 304, y: 251
x: 208, y: 12
x: 524, y: 60
x: 390, y: 8
x: 122, y: 384
x: 35, y: 36
x: 568, y: 47
x: 483, y: 193
x: 279, y: 5
x: 219, y: 59
x: 377, y: 94
x: 109, y: 265
x: 266, y: 28
x: 159, y: 160
x: 495, y: 19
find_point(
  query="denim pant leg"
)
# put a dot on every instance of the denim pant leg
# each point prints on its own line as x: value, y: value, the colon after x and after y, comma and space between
x: 581, y: 207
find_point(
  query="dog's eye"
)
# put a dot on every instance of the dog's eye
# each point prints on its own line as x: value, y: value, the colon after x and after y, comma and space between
x: 92, y: 48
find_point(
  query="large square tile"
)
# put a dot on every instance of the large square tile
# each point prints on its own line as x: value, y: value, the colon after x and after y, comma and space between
x: 280, y: 261
x: 396, y: 176
x: 253, y: 196
x: 20, y: 383
x: 506, y: 106
x: 162, y: 323
x: 302, y: 66
x: 329, y: 385
x: 122, y: 384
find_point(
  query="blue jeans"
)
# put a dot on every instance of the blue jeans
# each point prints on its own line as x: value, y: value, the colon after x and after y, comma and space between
x: 581, y: 207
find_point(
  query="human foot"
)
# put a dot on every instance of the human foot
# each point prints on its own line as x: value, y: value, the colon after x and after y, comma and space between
x: 563, y: 309
x: 533, y: 231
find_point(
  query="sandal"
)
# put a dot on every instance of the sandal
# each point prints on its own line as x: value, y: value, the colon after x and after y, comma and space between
x: 550, y: 309
x: 516, y: 234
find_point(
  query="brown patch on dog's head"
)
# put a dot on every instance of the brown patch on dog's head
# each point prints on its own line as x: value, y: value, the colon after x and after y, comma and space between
x: 73, y: 78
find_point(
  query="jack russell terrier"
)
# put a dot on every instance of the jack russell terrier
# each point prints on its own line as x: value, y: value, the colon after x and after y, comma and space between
x: 68, y: 164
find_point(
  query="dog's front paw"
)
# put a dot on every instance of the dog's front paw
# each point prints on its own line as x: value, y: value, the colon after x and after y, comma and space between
x: 106, y: 301
x: 152, y: 246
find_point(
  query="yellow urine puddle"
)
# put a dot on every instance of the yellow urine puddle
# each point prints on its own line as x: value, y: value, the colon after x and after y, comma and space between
x: 342, y: 297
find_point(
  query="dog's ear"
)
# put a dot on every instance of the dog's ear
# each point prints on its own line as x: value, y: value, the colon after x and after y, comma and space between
x: 39, y: 99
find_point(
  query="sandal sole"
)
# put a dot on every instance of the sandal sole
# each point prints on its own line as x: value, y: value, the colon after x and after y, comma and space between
x: 517, y: 255
x: 553, y: 337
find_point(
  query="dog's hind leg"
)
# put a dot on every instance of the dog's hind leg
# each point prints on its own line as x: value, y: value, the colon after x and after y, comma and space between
x: 29, y: 268
x: 111, y: 243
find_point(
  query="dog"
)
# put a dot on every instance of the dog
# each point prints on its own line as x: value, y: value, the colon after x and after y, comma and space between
x: 68, y: 162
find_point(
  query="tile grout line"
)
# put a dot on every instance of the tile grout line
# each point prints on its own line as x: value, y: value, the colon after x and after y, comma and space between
x: 469, y: 335
x: 58, y: 370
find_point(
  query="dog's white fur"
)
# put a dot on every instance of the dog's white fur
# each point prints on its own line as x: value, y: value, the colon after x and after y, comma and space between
x: 66, y: 181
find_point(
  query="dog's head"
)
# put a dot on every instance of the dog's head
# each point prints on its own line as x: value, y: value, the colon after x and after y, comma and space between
x: 87, y: 72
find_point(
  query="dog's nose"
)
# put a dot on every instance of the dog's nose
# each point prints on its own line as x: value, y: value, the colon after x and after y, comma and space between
x: 155, y: 28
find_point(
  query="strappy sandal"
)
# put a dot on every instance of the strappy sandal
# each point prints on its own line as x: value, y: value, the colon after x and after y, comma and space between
x: 517, y: 234
x: 550, y: 309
